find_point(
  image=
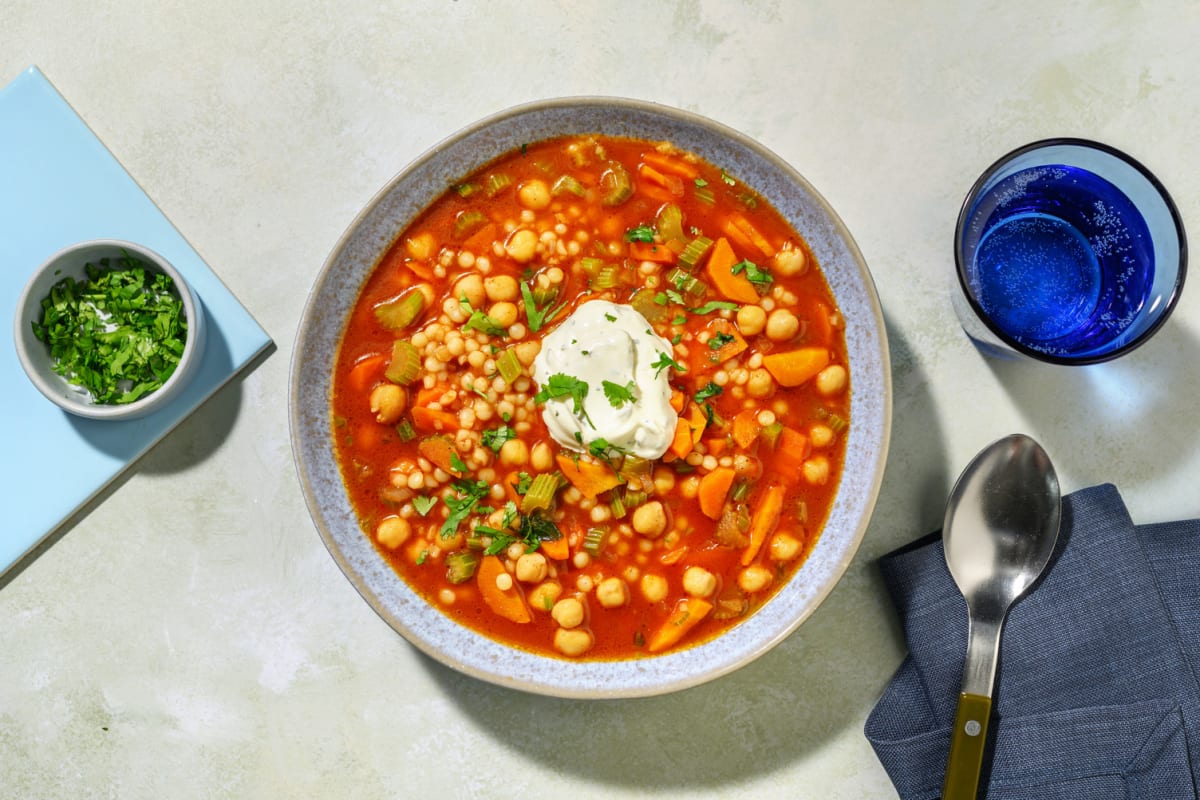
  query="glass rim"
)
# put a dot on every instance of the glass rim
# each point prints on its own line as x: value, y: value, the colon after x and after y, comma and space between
x: 960, y: 268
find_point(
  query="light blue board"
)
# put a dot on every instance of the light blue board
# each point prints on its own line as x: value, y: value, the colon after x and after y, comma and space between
x: 60, y: 185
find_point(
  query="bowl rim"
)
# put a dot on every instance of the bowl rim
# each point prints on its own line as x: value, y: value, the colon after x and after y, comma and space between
x: 603, y: 687
x: 75, y: 403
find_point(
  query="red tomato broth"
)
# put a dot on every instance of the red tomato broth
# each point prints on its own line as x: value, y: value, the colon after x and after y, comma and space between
x: 429, y: 253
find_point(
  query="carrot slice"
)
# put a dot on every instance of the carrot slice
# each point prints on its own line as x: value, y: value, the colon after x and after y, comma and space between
x: 733, y: 347
x: 682, y: 444
x: 669, y: 164
x: 651, y: 251
x: 558, y: 549
x: 714, y: 488
x: 764, y: 520
x: 687, y: 614
x: 672, y: 183
x: 720, y: 270
x: 511, y: 481
x: 746, y: 427
x: 791, y: 450
x: 678, y: 399
x: 440, y: 451
x: 794, y: 367
x: 433, y: 420
x: 716, y: 445
x: 367, y: 372
x: 508, y: 603
x: 431, y: 395
x: 589, y: 477
x: 481, y: 240
x: 747, y: 228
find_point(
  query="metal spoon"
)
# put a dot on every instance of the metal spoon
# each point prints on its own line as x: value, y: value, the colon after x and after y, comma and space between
x: 1000, y: 528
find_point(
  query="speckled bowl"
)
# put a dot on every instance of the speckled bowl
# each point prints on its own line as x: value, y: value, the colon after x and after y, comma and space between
x: 34, y: 355
x: 393, y: 208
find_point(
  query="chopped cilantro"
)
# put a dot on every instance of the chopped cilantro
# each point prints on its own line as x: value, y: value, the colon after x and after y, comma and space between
x: 754, y: 273
x: 610, y: 317
x: 423, y: 504
x: 727, y: 179
x: 457, y: 463
x: 559, y: 386
x: 710, y: 390
x: 119, y: 333
x: 619, y: 395
x: 461, y: 507
x: 538, y: 317
x: 642, y: 233
x: 523, y: 481
x: 421, y: 558
x: 700, y: 183
x: 663, y: 362
x: 715, y: 305
x: 604, y: 449
x: 479, y: 321
x: 679, y: 320
x: 719, y: 340
x: 510, y: 513
x: 496, y: 437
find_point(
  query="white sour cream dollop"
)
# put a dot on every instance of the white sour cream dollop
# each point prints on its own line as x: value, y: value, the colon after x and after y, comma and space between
x: 600, y: 342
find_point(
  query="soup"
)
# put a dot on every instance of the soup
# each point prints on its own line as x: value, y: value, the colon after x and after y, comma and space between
x: 592, y: 403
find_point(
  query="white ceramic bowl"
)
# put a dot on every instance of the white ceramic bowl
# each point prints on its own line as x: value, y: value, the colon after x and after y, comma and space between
x: 380, y: 223
x: 34, y: 355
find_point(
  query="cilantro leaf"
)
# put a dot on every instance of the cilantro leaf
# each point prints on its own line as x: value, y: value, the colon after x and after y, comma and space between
x: 710, y: 390
x: 538, y: 317
x: 479, y: 321
x: 604, y: 449
x: 461, y: 507
x: 456, y: 463
x: 619, y: 395
x: 559, y: 386
x: 664, y: 361
x: 719, y: 340
x: 423, y: 504
x: 715, y: 305
x: 642, y: 233
x: 754, y: 273
x: 496, y: 437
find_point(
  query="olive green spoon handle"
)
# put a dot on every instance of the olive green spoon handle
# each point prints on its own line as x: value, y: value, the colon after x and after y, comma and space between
x: 969, y: 734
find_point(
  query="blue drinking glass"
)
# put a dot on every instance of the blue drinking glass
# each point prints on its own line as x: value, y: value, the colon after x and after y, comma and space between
x: 1069, y: 252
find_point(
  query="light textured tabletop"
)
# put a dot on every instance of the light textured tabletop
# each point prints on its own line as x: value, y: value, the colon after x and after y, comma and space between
x: 191, y: 636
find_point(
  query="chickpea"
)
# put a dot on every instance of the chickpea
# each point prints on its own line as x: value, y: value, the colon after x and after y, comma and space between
x: 544, y: 595
x: 526, y: 352
x: 751, y: 319
x: 820, y: 435
x: 790, y: 260
x: 650, y: 519
x: 534, y: 194
x: 760, y: 384
x: 522, y: 245
x: 388, y: 402
x: 816, y: 470
x: 532, y: 568
x: 654, y: 588
x: 393, y: 532
x: 573, y: 642
x: 699, y: 582
x: 754, y: 579
x: 514, y: 453
x: 831, y: 380
x: 471, y: 288
x: 664, y: 480
x: 784, y: 547
x: 612, y: 593
x: 501, y: 287
x: 503, y: 313
x: 782, y: 325
x: 542, y: 457
x: 421, y: 247
x: 568, y: 612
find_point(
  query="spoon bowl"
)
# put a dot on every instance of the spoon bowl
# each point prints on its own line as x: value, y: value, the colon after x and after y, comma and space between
x: 1001, y: 525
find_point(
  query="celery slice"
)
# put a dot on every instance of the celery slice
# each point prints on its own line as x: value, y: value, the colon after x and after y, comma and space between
x: 609, y: 277
x: 405, y: 364
x: 461, y: 566
x: 567, y: 184
x: 398, y: 314
x: 670, y: 222
x: 643, y: 302
x: 468, y: 221
x: 591, y: 265
x: 695, y: 251
x: 509, y: 366
x: 541, y: 493
x: 496, y: 183
x: 593, y: 541
x: 405, y: 430
x: 617, y: 184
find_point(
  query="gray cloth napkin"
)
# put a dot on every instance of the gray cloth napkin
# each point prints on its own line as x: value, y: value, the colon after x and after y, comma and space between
x: 1097, y: 694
